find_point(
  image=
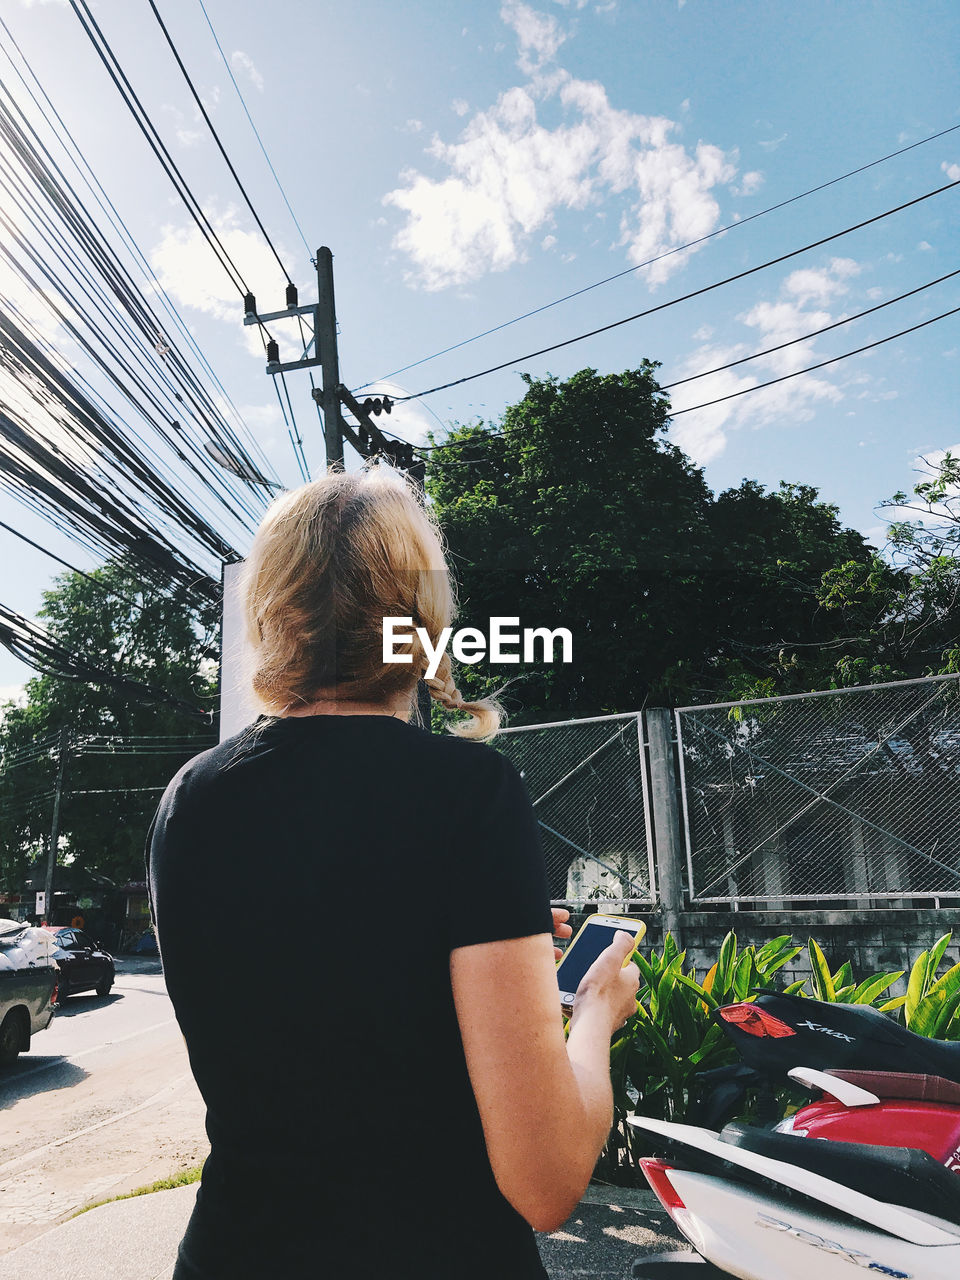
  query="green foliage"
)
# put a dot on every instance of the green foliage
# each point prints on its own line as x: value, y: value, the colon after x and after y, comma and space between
x: 132, y: 629
x: 575, y: 510
x: 656, y: 1059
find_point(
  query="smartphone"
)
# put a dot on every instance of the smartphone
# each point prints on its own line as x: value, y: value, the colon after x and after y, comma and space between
x: 594, y: 936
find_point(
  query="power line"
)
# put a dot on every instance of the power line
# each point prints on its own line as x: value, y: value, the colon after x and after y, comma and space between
x: 696, y: 293
x: 104, y: 51
x: 257, y: 132
x: 757, y: 355
x: 497, y: 435
x: 216, y: 137
x: 649, y: 262
x: 41, y: 650
x: 110, y: 210
x: 822, y: 364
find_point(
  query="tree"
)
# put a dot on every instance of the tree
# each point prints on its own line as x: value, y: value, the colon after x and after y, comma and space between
x: 575, y: 510
x: 139, y: 634
x: 798, y: 597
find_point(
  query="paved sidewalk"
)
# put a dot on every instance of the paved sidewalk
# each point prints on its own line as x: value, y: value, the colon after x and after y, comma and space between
x: 137, y: 1239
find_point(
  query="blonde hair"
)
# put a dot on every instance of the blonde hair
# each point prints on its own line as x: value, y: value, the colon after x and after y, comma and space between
x: 329, y: 562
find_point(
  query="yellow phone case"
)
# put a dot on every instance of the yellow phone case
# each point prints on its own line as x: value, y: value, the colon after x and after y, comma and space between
x: 634, y: 926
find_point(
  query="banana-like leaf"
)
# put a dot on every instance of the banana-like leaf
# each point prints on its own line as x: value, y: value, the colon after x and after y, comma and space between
x: 845, y: 994
x: 926, y: 1013
x: 706, y: 999
x: 821, y: 978
x: 950, y: 980
x: 670, y: 949
x: 916, y: 986
x: 950, y: 1007
x: 896, y: 1003
x: 871, y: 988
x: 710, y: 979
x: 937, y: 952
x: 770, y: 949
x: 844, y: 976
x: 725, y: 963
x: 647, y: 972
x: 795, y: 988
x: 743, y: 973
x: 769, y: 968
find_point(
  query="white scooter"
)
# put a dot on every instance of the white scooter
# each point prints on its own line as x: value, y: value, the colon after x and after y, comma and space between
x: 779, y: 1205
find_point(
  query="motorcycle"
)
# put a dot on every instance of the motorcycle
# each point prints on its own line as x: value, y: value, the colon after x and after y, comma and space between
x: 881, y: 1194
x: 776, y: 1032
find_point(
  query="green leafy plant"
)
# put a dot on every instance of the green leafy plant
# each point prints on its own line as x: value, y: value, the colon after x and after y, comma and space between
x: 657, y: 1058
x: 931, y: 1006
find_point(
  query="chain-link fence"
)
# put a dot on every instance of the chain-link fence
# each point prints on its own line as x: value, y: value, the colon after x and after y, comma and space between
x: 587, y: 780
x: 851, y: 794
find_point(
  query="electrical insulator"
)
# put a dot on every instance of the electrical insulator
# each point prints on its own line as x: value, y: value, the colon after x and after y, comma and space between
x: 273, y: 352
x: 249, y: 304
x: 387, y: 405
x: 292, y: 299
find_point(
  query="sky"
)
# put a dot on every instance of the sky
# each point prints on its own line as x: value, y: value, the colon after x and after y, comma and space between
x: 469, y: 163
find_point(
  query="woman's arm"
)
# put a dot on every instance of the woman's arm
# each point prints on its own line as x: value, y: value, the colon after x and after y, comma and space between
x: 545, y: 1103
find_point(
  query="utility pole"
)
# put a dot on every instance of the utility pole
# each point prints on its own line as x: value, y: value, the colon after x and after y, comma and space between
x: 326, y: 342
x: 55, y: 823
x: 366, y: 437
x: 666, y: 818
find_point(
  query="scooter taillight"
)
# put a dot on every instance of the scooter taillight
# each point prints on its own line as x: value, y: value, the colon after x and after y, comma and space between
x: 657, y: 1174
x: 755, y: 1021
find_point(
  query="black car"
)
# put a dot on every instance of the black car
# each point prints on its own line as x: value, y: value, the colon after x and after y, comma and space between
x: 84, y: 966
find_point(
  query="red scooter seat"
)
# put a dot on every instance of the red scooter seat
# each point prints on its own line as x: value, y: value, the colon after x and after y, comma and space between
x: 899, y: 1084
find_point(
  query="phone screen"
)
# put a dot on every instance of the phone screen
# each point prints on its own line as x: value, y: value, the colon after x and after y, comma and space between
x: 584, y: 949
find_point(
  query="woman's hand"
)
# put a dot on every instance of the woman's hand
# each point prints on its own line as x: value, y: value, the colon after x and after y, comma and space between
x: 608, y: 986
x: 560, y: 927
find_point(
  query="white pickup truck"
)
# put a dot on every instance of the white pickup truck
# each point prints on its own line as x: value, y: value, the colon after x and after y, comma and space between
x: 28, y: 986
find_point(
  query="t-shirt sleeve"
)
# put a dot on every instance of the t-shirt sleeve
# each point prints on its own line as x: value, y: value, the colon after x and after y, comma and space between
x: 500, y: 882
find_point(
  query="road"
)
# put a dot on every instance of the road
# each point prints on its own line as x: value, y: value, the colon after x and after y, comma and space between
x: 103, y: 1103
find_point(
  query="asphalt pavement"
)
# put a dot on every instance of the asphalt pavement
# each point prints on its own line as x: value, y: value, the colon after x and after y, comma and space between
x: 137, y: 1239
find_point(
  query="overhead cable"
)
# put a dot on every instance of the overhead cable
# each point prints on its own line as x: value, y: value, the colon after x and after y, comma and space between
x: 256, y: 132
x: 695, y: 293
x: 821, y: 365
x: 216, y: 137
x: 668, y: 253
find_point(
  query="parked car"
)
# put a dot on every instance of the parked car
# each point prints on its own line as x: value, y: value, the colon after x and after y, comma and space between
x: 28, y: 986
x: 84, y: 965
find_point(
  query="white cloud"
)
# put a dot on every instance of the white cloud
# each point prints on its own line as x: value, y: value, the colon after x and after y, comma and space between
x: 749, y: 184
x: 952, y: 171
x: 190, y: 271
x: 412, y: 126
x: 772, y: 143
x: 538, y: 35
x: 243, y: 63
x: 548, y: 242
x: 460, y: 106
x: 704, y: 434
x: 808, y: 284
x: 925, y: 246
x: 509, y: 174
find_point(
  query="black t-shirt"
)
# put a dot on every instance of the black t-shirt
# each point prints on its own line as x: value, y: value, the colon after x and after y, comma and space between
x: 309, y: 879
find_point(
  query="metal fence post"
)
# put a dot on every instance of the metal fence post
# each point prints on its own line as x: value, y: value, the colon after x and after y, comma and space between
x: 666, y: 816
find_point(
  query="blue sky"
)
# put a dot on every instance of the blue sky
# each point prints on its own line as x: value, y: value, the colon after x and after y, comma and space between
x: 467, y: 163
